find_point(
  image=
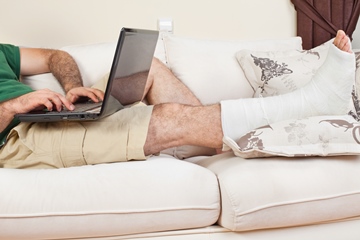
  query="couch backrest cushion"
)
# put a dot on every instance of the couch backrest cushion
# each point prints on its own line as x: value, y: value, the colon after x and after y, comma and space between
x: 209, y: 67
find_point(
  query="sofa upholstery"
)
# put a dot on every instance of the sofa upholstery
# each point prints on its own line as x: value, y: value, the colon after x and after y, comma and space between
x: 107, y: 200
x: 277, y: 192
x: 200, y: 197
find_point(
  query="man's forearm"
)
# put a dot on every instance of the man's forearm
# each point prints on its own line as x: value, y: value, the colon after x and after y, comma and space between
x: 6, y: 116
x: 65, y: 70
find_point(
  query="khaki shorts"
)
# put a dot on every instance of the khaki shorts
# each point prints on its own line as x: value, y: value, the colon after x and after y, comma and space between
x: 119, y: 137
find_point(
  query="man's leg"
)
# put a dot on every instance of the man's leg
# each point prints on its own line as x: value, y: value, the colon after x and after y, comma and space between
x: 165, y: 87
x: 329, y: 93
x: 174, y: 124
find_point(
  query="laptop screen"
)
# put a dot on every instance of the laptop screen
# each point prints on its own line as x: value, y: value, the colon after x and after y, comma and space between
x: 128, y: 76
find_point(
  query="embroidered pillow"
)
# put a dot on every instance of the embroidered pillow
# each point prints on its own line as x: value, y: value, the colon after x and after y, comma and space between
x: 314, y: 136
x: 276, y: 72
x: 355, y: 112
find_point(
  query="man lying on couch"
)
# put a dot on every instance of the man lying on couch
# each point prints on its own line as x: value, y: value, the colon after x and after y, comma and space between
x: 174, y: 118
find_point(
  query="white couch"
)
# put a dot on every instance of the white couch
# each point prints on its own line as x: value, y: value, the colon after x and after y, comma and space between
x: 199, y: 197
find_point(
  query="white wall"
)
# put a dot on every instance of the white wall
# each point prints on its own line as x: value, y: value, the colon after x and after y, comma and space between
x: 56, y: 23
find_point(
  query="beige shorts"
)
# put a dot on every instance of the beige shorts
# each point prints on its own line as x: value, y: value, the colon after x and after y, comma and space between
x: 119, y: 137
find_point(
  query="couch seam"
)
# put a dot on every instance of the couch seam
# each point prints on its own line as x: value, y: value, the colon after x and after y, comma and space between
x: 273, y: 205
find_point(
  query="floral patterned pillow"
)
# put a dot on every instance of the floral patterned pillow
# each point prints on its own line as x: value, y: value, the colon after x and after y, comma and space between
x: 314, y: 136
x: 276, y: 72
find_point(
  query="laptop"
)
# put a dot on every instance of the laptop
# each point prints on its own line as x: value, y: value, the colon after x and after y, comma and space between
x: 125, y: 86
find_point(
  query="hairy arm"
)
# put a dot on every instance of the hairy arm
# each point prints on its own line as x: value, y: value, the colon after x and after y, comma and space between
x: 59, y: 63
x: 62, y: 66
x: 5, y: 115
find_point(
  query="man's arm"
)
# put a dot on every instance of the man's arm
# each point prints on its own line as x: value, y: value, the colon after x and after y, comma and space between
x: 62, y: 66
x: 59, y: 63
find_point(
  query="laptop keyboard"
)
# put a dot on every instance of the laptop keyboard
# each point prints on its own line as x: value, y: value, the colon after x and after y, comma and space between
x: 80, y: 107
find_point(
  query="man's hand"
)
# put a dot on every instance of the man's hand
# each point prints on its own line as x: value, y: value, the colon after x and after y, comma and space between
x: 39, y: 99
x: 51, y: 100
x: 32, y: 101
x: 95, y: 95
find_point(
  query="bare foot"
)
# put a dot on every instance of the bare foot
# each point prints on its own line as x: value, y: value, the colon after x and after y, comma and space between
x: 342, y: 41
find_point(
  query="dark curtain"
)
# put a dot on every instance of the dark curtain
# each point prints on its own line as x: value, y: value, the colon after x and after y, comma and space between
x: 319, y: 20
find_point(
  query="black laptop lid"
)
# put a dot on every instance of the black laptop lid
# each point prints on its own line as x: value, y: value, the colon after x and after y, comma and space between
x: 130, y: 69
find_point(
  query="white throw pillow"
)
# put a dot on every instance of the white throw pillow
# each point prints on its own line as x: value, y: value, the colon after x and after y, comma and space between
x: 313, y: 136
x: 209, y: 67
x: 272, y: 73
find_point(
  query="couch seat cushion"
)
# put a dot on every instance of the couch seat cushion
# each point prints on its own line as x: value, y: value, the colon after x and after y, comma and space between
x: 282, y: 192
x: 106, y: 200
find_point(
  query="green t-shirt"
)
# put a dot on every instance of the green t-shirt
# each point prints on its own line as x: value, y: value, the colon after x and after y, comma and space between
x: 10, y: 86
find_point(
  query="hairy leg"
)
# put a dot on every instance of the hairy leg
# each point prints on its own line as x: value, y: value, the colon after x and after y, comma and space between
x: 164, y: 87
x: 174, y: 124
